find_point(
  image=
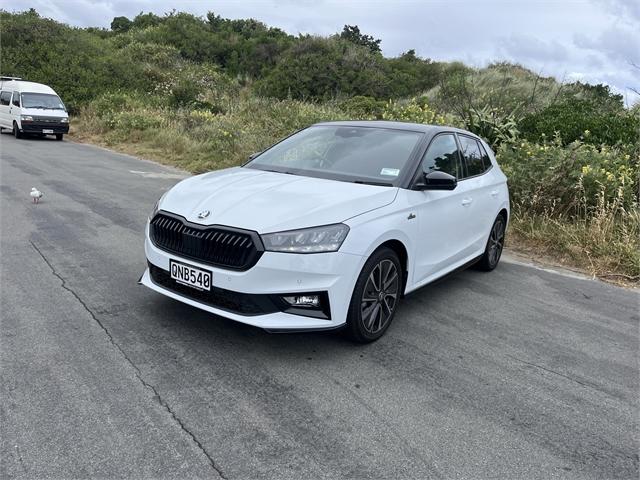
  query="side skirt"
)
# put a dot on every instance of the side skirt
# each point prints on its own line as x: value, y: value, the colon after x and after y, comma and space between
x: 449, y: 274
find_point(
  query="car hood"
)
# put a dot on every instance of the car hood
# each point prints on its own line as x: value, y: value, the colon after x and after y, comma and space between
x: 270, y: 202
x: 44, y: 112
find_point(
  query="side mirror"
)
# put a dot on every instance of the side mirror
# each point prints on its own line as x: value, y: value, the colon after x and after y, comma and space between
x: 437, y: 181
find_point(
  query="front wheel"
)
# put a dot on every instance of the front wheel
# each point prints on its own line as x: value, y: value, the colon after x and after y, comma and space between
x: 16, y: 131
x: 59, y: 136
x: 494, y: 247
x: 375, y: 297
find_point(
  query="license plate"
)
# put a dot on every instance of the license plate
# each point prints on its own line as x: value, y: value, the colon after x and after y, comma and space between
x: 46, y: 130
x: 190, y: 276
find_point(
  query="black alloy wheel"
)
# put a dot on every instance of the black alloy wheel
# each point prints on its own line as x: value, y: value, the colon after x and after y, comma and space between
x: 375, y: 297
x: 494, y: 247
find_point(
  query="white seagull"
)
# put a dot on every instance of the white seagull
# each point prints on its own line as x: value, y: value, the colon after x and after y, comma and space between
x: 35, y: 194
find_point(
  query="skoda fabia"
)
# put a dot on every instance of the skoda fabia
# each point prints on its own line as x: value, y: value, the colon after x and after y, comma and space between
x: 330, y: 227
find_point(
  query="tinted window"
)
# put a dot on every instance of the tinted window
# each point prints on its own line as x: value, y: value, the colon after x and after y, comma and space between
x: 5, y: 97
x: 16, y: 99
x: 472, y: 156
x: 442, y: 156
x: 486, y: 161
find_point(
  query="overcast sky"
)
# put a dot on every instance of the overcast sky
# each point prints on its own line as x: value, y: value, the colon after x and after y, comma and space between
x: 589, y: 40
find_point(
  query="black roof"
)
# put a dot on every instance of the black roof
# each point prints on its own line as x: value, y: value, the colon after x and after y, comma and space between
x: 414, y: 127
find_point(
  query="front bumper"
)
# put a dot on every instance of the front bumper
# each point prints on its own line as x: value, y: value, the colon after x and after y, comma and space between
x: 275, y: 274
x: 38, y: 127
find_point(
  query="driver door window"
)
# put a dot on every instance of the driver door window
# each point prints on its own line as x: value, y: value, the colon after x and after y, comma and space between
x: 443, y: 156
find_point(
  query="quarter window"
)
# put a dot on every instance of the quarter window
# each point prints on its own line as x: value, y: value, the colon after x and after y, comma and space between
x: 5, y: 98
x: 443, y: 156
x: 472, y: 155
x: 486, y: 161
x: 16, y: 99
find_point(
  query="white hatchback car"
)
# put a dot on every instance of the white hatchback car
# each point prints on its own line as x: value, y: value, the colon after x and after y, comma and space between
x: 330, y: 227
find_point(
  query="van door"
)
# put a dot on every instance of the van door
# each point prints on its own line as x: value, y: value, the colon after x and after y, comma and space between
x: 14, y: 110
x: 5, y: 107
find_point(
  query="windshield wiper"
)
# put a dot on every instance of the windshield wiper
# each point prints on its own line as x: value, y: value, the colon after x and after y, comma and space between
x: 378, y: 184
x: 277, y: 171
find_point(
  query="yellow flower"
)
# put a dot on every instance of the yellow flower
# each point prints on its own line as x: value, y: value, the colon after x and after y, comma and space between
x: 586, y: 169
x: 587, y: 133
x: 610, y: 176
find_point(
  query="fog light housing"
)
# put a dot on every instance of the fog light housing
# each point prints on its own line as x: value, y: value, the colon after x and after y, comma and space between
x: 303, y: 301
x: 307, y: 304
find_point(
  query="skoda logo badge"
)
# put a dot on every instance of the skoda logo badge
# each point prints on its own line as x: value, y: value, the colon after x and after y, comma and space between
x: 204, y: 214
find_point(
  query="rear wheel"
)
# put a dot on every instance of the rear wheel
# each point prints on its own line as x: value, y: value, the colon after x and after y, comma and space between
x: 375, y: 297
x: 16, y: 131
x: 494, y: 247
x: 59, y: 136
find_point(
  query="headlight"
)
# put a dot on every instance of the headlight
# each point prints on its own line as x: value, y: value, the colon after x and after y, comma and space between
x: 308, y: 240
x: 26, y: 118
x: 64, y: 120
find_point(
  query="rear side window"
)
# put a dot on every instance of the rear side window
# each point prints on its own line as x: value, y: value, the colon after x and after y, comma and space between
x: 472, y: 156
x: 486, y: 161
x: 443, y: 156
x: 16, y: 99
x: 5, y: 98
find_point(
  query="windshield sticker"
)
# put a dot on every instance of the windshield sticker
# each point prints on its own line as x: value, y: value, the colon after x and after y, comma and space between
x: 390, y: 172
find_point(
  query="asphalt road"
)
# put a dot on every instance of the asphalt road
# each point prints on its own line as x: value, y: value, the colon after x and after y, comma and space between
x: 520, y: 373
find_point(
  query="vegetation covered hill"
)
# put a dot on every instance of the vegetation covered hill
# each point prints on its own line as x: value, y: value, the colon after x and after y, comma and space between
x: 204, y: 93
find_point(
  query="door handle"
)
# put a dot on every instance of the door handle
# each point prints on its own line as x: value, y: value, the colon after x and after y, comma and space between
x: 466, y: 202
x: 494, y: 193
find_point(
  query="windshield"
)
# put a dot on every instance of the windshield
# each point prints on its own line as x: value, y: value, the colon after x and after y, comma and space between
x: 42, y: 100
x: 357, y: 154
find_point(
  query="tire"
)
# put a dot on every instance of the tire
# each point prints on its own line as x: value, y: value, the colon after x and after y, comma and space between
x: 372, y: 309
x: 495, y: 244
x: 59, y: 136
x: 16, y: 131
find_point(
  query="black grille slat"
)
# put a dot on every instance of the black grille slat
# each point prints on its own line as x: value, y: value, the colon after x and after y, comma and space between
x: 224, y: 247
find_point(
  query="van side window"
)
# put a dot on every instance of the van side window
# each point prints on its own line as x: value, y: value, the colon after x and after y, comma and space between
x: 472, y: 155
x: 5, y: 98
x: 16, y: 99
x: 443, y: 156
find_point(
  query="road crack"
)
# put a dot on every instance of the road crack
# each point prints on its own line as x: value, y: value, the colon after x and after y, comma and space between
x: 156, y: 395
x: 584, y: 384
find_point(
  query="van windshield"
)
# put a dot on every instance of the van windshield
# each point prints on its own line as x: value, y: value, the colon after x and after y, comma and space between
x: 42, y: 100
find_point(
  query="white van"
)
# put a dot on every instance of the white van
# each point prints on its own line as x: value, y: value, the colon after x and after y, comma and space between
x: 29, y: 107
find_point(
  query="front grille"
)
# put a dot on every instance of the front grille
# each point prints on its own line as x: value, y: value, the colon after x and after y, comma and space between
x: 235, y: 302
x: 223, y: 247
x: 47, y: 119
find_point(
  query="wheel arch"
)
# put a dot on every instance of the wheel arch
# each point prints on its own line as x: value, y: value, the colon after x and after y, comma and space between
x: 401, y: 250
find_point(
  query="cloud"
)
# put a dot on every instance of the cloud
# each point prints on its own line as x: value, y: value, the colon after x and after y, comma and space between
x: 593, y: 40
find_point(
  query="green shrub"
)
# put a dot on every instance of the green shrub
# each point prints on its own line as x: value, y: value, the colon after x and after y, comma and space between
x: 570, y: 181
x: 571, y: 118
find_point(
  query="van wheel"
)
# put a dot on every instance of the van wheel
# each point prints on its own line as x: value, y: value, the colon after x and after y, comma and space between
x: 375, y: 297
x: 16, y: 131
x: 59, y: 136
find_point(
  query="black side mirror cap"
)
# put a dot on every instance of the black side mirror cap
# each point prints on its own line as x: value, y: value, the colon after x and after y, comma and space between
x: 437, y: 180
